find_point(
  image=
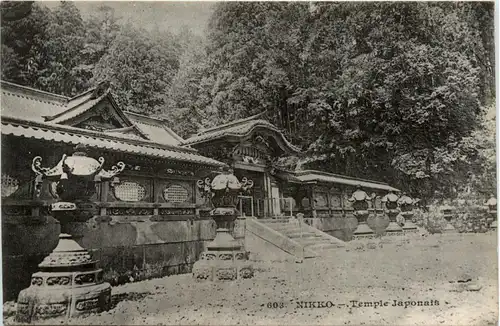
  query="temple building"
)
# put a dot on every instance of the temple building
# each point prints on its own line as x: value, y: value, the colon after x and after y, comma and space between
x: 152, y: 220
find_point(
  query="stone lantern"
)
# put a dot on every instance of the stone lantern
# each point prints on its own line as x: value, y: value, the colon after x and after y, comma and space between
x: 448, y: 213
x: 492, y: 211
x: 68, y: 283
x: 406, y: 204
x: 224, y: 258
x: 360, y: 200
x: 392, y: 211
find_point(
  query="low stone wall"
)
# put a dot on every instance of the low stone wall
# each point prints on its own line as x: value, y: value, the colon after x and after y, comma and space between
x: 343, y: 227
x: 129, y: 248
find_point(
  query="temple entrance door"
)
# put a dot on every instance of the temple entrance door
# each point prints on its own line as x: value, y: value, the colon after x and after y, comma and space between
x: 275, y: 198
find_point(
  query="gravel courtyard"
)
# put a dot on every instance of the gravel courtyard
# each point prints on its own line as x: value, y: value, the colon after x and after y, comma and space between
x: 417, y: 271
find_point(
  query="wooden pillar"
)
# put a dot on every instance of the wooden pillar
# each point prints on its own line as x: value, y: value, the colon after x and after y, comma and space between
x: 267, y: 196
x: 104, y: 196
x: 311, y: 201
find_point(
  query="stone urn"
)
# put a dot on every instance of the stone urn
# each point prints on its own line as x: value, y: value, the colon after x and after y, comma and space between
x: 360, y: 200
x: 224, y: 258
x: 392, y: 211
x: 406, y: 204
x: 69, y: 283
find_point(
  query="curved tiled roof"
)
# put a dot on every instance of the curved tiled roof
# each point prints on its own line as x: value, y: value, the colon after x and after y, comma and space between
x: 28, y: 103
x: 74, y: 136
x: 305, y: 176
x: 239, y: 128
x: 155, y: 129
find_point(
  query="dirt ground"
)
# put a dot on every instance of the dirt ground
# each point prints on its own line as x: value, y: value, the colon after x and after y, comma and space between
x: 418, y: 269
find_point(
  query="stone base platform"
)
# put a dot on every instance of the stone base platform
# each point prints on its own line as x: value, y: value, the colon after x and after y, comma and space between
x: 393, y: 229
x: 42, y: 302
x: 409, y: 227
x: 223, y: 266
x: 363, y: 231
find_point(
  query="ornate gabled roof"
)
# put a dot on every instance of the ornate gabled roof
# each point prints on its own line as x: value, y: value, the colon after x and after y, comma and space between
x: 38, y: 106
x: 109, y: 141
x: 312, y: 176
x: 241, y: 129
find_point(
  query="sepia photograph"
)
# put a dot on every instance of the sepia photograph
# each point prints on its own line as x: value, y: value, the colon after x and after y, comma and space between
x: 248, y: 163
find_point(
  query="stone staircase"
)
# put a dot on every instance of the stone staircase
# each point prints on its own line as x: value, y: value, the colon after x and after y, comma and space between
x: 296, y: 239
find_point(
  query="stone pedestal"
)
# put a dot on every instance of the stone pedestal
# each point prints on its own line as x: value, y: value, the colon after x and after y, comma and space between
x: 409, y: 226
x: 363, y: 230
x: 224, y: 259
x: 239, y: 230
x: 68, y: 285
x: 393, y: 228
x: 448, y: 213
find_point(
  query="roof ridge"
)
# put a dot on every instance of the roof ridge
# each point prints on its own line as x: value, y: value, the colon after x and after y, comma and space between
x: 120, y: 129
x: 70, y: 109
x: 233, y: 123
x: 143, y: 116
x: 53, y: 98
x: 301, y: 172
x: 92, y: 89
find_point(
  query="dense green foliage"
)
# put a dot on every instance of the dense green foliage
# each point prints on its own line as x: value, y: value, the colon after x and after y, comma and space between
x: 376, y: 90
x: 58, y: 51
x: 390, y: 91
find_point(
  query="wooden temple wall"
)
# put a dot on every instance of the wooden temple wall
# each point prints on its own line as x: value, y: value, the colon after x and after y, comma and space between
x: 141, y: 227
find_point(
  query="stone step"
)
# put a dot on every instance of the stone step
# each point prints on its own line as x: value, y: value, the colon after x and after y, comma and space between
x: 321, y: 247
x: 273, y: 220
x: 286, y: 228
x: 298, y: 234
x: 308, y: 237
x: 311, y: 241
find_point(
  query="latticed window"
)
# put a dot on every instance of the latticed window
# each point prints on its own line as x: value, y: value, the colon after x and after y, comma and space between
x: 130, y: 191
x: 175, y: 194
x: 9, y: 185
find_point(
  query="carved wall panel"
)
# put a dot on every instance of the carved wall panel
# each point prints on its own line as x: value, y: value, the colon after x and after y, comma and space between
x: 130, y: 211
x: 335, y: 200
x: 320, y: 199
x: 346, y: 203
x: 176, y: 211
x: 250, y: 154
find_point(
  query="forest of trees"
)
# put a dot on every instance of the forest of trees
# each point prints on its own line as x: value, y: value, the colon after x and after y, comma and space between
x: 401, y: 92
